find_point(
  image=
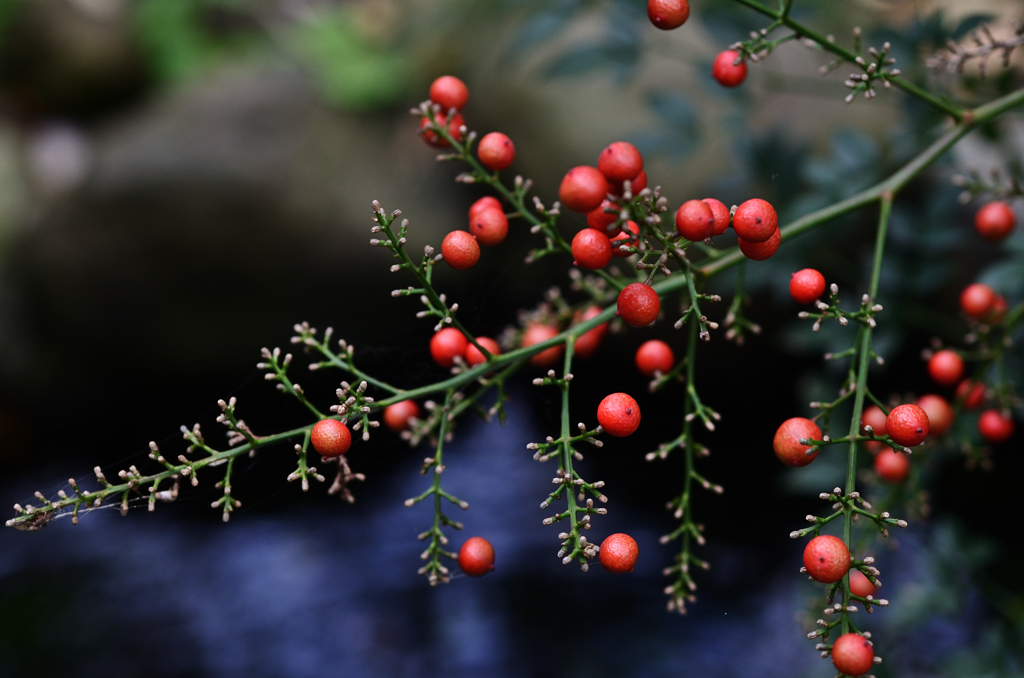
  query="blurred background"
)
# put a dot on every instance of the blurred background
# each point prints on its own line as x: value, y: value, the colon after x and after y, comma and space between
x: 183, y: 180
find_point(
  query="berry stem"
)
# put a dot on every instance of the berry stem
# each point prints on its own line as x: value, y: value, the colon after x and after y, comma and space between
x: 434, y: 570
x: 782, y: 18
x: 864, y: 360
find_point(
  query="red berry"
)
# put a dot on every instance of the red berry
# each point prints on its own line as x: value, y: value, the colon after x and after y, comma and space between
x: 591, y: 249
x: 473, y: 355
x: 668, y: 14
x: 486, y: 202
x: 618, y: 414
x: 997, y: 312
x: 721, y: 214
x: 806, y: 286
x: 759, y: 251
x: 638, y: 305
x: 853, y: 654
x: 600, y: 219
x: 826, y: 558
x: 875, y: 418
x: 496, y: 151
x: 654, y: 356
x: 583, y: 188
x: 755, y: 220
x: 620, y: 161
x: 330, y: 438
x: 695, y: 221
x: 995, y: 427
x: 946, y: 367
x: 449, y: 92
x: 460, y: 250
x: 787, y: 445
x: 726, y: 71
x: 447, y: 344
x: 454, y: 129
x: 623, y: 239
x: 397, y: 416
x: 860, y: 585
x: 976, y: 300
x: 940, y: 414
x: 535, y: 334
x: 892, y: 466
x: 994, y: 221
x: 972, y: 393
x: 587, y: 343
x: 618, y: 553
x: 490, y: 226
x: 476, y: 557
x: 907, y: 425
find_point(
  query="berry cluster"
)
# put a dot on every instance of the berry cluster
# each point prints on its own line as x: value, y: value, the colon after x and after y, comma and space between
x: 625, y: 220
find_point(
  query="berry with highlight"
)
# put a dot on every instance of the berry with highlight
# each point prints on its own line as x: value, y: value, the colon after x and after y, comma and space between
x: 755, y: 220
x: 907, y: 425
x: 489, y: 226
x: 476, y: 557
x: 892, y: 466
x: 496, y: 151
x: 398, y: 415
x: 995, y: 221
x: 654, y: 356
x: 806, y: 286
x: 853, y: 654
x: 473, y: 355
x: 726, y: 71
x: 668, y: 14
x: 695, y: 221
x: 330, y: 438
x: 946, y: 367
x: 787, y: 445
x: 995, y: 427
x: 618, y: 553
x: 460, y: 250
x: 620, y: 161
x: 638, y: 305
x: 449, y: 92
x: 583, y: 188
x: 591, y: 249
x: 826, y: 558
x: 618, y: 414
x: 446, y: 345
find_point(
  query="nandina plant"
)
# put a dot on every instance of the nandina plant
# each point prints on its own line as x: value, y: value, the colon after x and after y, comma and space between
x: 669, y: 251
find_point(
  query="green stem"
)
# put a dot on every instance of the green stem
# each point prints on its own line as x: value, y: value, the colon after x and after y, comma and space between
x: 864, y: 348
x: 782, y: 16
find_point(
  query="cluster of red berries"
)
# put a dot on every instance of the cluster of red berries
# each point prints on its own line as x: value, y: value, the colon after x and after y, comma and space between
x: 449, y: 343
x: 449, y: 94
x: 827, y: 560
x: 585, y: 346
x: 980, y: 303
x: 907, y: 425
x: 488, y: 224
x: 995, y: 221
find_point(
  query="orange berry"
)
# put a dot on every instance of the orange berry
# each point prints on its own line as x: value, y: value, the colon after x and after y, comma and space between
x: 787, y: 445
x: 618, y: 553
x: 330, y: 438
x: 826, y: 558
x: 618, y: 414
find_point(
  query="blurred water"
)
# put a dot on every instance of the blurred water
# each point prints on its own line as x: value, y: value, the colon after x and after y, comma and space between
x: 313, y: 593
